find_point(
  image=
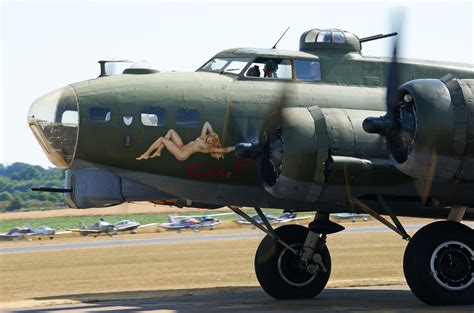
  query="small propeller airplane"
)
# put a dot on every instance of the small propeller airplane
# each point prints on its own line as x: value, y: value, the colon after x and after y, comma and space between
x: 352, y: 216
x: 284, y: 218
x: 194, y: 223
x: 101, y: 227
x: 26, y: 232
x: 322, y: 129
x: 127, y: 225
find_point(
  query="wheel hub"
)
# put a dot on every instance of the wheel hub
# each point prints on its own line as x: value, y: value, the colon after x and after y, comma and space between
x: 291, y: 270
x: 452, y: 265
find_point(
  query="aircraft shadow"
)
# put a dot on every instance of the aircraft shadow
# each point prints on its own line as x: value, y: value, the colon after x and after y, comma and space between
x: 247, y: 299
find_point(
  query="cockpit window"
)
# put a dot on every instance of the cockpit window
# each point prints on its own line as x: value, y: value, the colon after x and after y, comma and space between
x: 307, y: 70
x: 270, y: 68
x: 226, y: 65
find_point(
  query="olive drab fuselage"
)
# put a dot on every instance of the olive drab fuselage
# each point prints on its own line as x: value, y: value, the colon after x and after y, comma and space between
x: 114, y: 129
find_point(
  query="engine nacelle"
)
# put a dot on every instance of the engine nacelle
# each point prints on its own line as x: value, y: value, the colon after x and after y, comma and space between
x: 434, y: 137
x: 297, y: 145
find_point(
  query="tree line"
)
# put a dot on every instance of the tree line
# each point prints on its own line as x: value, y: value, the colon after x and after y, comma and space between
x: 16, y: 181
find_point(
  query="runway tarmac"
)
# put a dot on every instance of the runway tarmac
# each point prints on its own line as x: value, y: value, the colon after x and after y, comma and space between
x: 162, y: 240
x: 251, y: 299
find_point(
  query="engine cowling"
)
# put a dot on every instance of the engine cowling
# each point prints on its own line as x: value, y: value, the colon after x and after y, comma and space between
x: 299, y: 145
x: 434, y: 137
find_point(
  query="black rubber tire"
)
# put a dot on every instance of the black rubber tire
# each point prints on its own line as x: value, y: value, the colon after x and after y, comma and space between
x: 267, y: 268
x: 417, y: 258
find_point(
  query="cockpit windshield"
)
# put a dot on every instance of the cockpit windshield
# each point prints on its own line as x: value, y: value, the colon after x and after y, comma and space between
x: 226, y: 65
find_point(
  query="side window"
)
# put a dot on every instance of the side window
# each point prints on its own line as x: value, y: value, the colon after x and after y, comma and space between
x: 307, y: 70
x: 99, y: 114
x: 270, y: 68
x: 153, y: 116
x: 188, y: 118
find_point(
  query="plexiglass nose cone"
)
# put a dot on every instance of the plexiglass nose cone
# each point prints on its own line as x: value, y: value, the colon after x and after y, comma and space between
x: 54, y: 120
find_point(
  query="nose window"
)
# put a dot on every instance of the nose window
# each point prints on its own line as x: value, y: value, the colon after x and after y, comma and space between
x: 54, y: 121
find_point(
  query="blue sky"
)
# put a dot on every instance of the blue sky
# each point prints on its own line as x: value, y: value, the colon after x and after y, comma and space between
x: 49, y: 44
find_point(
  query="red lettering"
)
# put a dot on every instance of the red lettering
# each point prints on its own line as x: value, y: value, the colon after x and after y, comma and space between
x: 197, y: 172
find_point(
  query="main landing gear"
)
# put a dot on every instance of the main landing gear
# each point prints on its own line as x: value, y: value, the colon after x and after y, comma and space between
x: 439, y: 259
x: 439, y: 264
x: 292, y: 261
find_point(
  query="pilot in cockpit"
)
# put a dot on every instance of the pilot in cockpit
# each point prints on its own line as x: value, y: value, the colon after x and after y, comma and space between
x: 270, y: 69
x: 253, y: 71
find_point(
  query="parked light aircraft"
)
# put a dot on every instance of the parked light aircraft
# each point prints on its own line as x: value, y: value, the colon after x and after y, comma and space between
x: 25, y: 232
x: 352, y: 216
x: 101, y: 227
x: 194, y: 223
x: 321, y: 129
x: 284, y: 218
x: 127, y: 225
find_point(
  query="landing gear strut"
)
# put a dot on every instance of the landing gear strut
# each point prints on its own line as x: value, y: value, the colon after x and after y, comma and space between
x: 292, y: 261
x: 283, y: 274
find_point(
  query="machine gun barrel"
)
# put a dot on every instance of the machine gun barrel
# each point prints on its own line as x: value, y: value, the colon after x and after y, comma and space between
x: 375, y: 37
x: 47, y: 189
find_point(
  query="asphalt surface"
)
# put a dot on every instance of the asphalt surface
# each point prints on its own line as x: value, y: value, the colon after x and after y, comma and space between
x: 362, y: 299
x: 176, y: 239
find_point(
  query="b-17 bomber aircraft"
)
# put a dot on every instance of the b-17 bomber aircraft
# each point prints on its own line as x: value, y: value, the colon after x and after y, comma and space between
x: 322, y: 129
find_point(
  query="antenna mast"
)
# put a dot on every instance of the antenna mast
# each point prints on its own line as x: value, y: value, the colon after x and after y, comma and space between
x: 274, y: 46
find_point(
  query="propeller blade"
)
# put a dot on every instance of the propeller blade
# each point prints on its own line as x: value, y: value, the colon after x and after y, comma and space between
x: 426, y: 184
x: 394, y: 78
x: 252, y: 150
x: 385, y: 125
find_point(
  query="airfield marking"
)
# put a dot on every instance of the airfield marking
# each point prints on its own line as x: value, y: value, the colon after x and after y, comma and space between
x: 96, y: 244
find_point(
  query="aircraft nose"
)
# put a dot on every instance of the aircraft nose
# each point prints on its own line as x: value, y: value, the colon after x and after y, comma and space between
x: 54, y: 120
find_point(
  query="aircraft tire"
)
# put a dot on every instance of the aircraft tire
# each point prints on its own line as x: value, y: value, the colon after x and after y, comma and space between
x: 439, y: 262
x: 279, y: 271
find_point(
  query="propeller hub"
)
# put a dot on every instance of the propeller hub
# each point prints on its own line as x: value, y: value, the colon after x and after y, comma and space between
x: 247, y: 150
x: 377, y: 125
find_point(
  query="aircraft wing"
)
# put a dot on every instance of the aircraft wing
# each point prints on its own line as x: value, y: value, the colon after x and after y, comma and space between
x: 242, y: 222
x: 292, y: 219
x: 148, y: 225
x: 201, y: 216
x: 34, y: 234
x: 173, y: 226
x: 6, y: 236
x: 63, y: 232
x: 90, y: 231
x: 211, y: 224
